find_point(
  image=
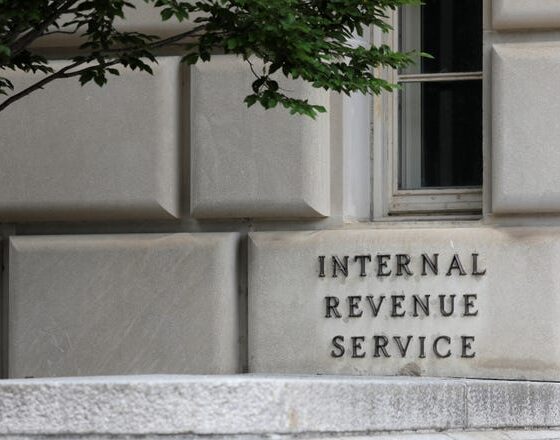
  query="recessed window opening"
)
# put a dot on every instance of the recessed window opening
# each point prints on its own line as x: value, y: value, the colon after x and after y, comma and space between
x: 440, y: 101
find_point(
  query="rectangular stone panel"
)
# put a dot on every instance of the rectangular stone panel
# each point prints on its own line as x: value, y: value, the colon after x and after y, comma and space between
x: 462, y: 302
x: 90, y: 153
x: 123, y: 304
x: 524, y: 14
x: 252, y: 162
x: 525, y: 128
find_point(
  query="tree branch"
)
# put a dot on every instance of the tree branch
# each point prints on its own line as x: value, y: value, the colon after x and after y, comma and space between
x: 66, y: 72
x: 156, y: 44
x: 59, y: 32
x: 85, y: 69
x: 39, y: 84
x: 25, y: 40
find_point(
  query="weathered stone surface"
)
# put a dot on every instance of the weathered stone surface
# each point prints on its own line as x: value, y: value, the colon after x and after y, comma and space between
x: 229, y: 405
x: 89, y: 153
x: 520, y: 434
x: 253, y: 406
x: 123, y: 304
x: 523, y: 14
x: 499, y: 434
x: 513, y: 404
x: 525, y: 128
x: 511, y: 326
x: 252, y: 162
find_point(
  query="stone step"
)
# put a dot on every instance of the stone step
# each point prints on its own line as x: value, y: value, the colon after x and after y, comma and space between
x: 255, y: 406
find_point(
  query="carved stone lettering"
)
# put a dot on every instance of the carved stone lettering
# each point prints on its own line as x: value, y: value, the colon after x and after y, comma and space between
x: 381, y: 305
x: 384, y: 265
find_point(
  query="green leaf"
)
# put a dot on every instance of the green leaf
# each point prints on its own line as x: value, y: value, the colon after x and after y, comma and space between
x: 5, y: 51
x: 191, y: 58
x: 258, y: 84
x: 251, y: 100
x: 166, y: 14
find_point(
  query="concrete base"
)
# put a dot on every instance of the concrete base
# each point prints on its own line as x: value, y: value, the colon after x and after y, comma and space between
x: 256, y: 406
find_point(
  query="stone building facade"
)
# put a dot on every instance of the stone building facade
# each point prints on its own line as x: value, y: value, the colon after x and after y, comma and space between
x: 158, y: 226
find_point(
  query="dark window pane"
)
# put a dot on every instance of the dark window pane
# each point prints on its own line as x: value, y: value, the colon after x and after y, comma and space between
x: 449, y: 30
x: 441, y: 134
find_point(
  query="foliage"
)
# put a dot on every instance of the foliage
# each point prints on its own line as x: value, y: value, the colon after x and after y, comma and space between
x: 307, y: 39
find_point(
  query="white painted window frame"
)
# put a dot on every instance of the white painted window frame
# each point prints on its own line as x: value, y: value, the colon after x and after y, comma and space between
x: 390, y: 202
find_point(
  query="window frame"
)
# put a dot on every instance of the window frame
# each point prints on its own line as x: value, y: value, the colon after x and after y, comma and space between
x: 388, y: 200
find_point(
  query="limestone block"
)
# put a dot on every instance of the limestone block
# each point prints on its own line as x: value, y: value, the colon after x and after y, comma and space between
x: 491, y: 310
x: 523, y: 14
x: 525, y: 128
x: 89, y: 153
x: 252, y: 162
x: 123, y: 304
x: 289, y: 407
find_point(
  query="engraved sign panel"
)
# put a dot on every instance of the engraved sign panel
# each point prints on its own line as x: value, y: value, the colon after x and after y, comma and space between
x: 474, y: 302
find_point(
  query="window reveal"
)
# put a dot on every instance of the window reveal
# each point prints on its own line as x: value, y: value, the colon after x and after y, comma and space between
x: 428, y: 135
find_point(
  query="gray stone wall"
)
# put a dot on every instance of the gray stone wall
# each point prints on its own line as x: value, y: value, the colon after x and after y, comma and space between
x: 155, y: 225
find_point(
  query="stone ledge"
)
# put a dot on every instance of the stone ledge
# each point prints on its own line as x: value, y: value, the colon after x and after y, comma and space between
x: 250, y: 405
x: 519, y: 434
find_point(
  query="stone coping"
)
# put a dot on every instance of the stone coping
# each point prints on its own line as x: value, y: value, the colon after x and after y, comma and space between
x: 251, y: 405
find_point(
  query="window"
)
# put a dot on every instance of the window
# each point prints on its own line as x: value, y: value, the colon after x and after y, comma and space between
x: 428, y: 135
